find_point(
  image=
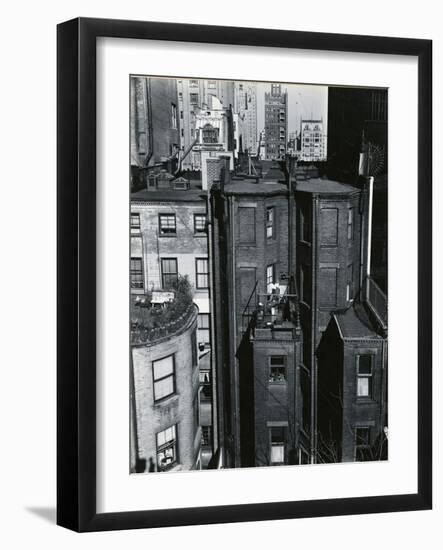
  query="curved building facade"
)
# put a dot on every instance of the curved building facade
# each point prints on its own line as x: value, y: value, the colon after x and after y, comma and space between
x: 165, y: 399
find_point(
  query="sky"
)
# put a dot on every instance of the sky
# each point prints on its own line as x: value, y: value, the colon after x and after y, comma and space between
x: 304, y: 101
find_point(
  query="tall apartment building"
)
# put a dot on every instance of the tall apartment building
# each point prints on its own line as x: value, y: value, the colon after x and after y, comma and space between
x: 258, y: 339
x: 245, y: 106
x: 276, y: 122
x: 342, y: 319
x: 155, y: 126
x: 300, y: 328
x: 194, y: 96
x: 313, y: 141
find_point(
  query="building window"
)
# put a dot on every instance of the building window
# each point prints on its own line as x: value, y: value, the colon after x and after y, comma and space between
x: 277, y: 445
x: 362, y: 443
x: 181, y: 115
x: 350, y: 223
x: 167, y: 224
x: 194, y: 349
x: 193, y: 98
x: 350, y: 283
x: 196, y: 410
x: 246, y: 224
x: 305, y: 223
x: 164, y: 377
x: 174, y: 115
x: 270, y: 222
x: 136, y: 273
x: 305, y: 284
x: 135, y: 221
x: 199, y: 224
x: 270, y: 276
x: 277, y: 369
x: 201, y: 273
x: 364, y: 376
x: 209, y: 134
x: 203, y: 321
x: 169, y: 272
x: 212, y: 84
x: 167, y: 448
x: 193, y: 82
x: 206, y: 436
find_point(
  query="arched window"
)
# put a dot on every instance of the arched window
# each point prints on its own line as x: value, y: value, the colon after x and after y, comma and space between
x: 210, y: 134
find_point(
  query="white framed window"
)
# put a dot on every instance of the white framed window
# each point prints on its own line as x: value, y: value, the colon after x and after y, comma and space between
x: 169, y: 272
x: 364, y: 376
x: 203, y: 321
x: 201, y: 273
x: 199, y: 224
x: 277, y: 369
x: 278, y: 440
x: 167, y: 224
x: 136, y: 273
x: 167, y: 448
x: 135, y: 221
x: 270, y: 222
x: 163, y: 373
x: 270, y: 270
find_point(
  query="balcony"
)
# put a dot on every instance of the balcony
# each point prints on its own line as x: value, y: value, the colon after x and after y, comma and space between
x: 272, y: 315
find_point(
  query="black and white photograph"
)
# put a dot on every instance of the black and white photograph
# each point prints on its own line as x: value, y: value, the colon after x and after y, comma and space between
x: 258, y: 274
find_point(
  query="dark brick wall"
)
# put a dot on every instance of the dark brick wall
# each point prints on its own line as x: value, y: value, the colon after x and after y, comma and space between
x: 340, y: 410
x: 274, y: 403
x: 163, y: 94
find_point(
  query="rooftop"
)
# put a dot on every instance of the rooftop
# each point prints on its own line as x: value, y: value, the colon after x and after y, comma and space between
x: 194, y: 194
x: 240, y: 187
x: 355, y: 323
x: 151, y: 320
x: 325, y: 186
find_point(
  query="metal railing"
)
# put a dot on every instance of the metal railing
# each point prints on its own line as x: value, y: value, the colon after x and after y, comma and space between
x: 378, y: 301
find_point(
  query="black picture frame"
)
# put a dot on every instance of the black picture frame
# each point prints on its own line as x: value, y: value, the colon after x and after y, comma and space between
x: 76, y: 294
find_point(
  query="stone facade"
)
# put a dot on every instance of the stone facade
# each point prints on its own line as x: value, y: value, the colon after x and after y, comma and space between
x: 186, y: 246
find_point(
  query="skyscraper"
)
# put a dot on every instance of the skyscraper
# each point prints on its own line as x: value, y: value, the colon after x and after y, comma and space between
x: 245, y: 105
x: 276, y: 122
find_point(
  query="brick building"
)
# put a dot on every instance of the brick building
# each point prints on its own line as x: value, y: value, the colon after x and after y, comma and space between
x: 155, y: 126
x: 276, y: 122
x: 258, y: 345
x: 343, y: 323
x: 166, y: 435
x: 301, y: 329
